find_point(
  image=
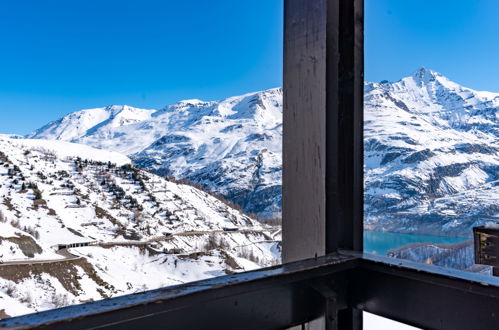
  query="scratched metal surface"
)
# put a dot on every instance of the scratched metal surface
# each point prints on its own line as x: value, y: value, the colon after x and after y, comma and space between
x: 423, y: 295
x: 232, y: 284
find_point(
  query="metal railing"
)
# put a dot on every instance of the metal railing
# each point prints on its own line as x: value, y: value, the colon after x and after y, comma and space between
x: 278, y: 297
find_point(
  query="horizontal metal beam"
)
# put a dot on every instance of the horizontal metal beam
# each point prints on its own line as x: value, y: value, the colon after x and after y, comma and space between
x: 426, y: 296
x: 265, y: 299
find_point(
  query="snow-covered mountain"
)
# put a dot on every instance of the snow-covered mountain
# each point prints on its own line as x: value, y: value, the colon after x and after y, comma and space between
x: 431, y: 155
x: 128, y: 230
x: 431, y: 151
x: 231, y: 147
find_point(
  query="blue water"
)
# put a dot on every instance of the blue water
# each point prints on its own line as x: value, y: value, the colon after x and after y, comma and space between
x: 381, y: 242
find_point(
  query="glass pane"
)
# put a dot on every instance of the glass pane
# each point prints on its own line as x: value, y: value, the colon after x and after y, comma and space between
x: 431, y: 129
x: 100, y: 199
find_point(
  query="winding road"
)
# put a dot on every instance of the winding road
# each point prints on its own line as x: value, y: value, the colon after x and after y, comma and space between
x: 68, y: 256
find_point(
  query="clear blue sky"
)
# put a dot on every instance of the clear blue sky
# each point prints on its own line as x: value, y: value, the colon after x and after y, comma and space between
x: 458, y: 38
x: 58, y: 56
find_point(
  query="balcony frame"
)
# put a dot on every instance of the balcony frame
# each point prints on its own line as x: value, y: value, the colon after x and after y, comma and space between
x: 326, y: 280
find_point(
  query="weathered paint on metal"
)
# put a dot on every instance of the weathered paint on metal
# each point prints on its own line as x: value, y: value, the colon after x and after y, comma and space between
x: 422, y: 295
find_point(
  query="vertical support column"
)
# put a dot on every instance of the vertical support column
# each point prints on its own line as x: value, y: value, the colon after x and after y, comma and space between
x: 323, y: 131
x: 304, y: 148
x: 344, y: 126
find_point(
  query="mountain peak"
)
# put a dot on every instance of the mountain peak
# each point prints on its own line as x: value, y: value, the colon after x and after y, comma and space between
x: 425, y: 75
x: 191, y: 101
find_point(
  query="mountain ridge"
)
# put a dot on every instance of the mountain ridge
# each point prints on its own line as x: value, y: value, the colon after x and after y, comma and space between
x: 412, y: 126
x: 220, y: 136
x: 430, y: 154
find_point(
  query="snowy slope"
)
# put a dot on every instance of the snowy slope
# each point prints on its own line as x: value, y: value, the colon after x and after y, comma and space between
x: 231, y: 147
x: 63, y: 149
x: 143, y: 231
x: 82, y: 126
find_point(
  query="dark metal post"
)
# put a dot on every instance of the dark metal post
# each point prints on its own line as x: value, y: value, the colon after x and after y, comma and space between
x: 344, y: 135
x: 304, y: 149
x: 323, y: 127
x: 323, y: 131
x: 344, y: 126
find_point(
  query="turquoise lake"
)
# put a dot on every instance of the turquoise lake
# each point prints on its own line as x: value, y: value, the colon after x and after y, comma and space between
x: 381, y: 242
